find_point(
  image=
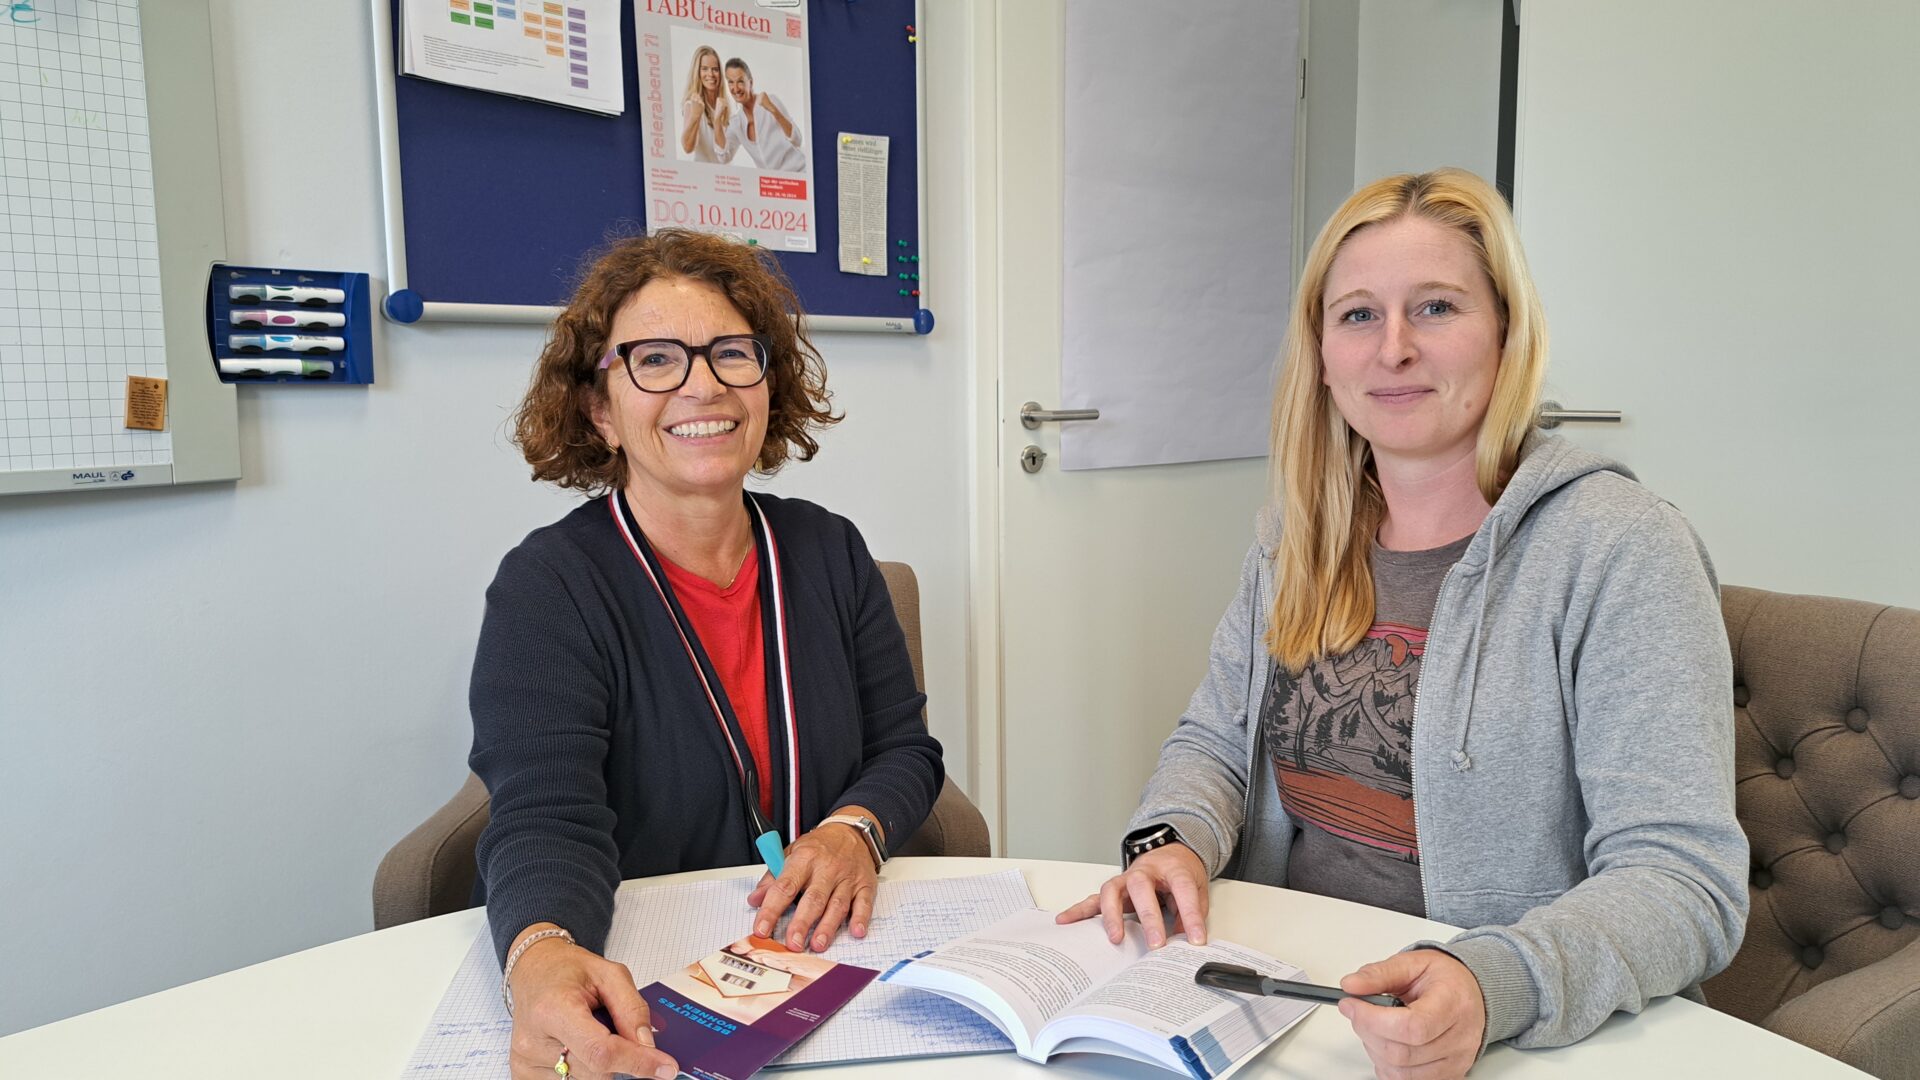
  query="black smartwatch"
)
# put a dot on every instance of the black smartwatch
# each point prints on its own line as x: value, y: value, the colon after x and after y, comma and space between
x: 1142, y: 840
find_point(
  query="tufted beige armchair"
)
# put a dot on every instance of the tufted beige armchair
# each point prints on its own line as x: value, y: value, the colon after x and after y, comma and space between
x: 1827, y: 760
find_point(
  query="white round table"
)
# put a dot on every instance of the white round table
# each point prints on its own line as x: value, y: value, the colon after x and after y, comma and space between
x: 356, y: 1008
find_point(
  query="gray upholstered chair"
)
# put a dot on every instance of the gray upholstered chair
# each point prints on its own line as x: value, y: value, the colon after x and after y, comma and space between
x: 431, y: 871
x: 1827, y: 758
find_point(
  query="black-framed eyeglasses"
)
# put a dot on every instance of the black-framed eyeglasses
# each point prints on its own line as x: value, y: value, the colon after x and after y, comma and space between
x: 661, y: 365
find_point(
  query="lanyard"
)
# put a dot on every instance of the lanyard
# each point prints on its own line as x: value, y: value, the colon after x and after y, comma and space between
x: 773, y: 636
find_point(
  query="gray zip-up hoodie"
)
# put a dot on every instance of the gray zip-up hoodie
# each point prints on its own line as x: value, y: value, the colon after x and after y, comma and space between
x: 1572, y: 752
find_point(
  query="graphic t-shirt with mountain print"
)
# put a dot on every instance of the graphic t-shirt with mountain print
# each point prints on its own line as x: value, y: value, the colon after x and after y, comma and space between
x: 1340, y: 738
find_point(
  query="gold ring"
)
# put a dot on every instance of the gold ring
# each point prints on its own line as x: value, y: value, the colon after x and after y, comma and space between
x: 560, y: 1067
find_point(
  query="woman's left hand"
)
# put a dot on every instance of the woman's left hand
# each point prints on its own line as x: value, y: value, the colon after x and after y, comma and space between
x: 1436, y: 1036
x: 831, y: 874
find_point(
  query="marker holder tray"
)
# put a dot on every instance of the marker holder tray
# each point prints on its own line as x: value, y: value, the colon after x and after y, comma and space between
x: 320, y: 333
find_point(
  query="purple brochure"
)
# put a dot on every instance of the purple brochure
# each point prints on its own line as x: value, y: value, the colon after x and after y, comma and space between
x: 724, y: 1016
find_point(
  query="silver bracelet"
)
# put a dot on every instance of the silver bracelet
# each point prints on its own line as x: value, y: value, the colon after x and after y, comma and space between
x: 506, y: 972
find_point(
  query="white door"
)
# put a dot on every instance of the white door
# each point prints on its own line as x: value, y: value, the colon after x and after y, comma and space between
x: 1110, y: 581
x: 1718, y: 202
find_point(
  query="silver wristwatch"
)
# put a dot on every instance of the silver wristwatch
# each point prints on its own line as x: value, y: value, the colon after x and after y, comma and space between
x: 869, y: 831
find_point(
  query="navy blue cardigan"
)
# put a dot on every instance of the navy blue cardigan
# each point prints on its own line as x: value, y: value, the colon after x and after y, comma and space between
x: 598, y: 747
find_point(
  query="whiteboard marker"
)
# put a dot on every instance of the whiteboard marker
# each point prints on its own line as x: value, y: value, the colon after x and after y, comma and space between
x: 306, y: 343
x: 290, y: 294
x: 304, y: 320
x: 308, y: 369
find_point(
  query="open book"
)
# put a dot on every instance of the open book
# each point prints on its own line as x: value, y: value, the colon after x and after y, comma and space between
x: 1067, y: 989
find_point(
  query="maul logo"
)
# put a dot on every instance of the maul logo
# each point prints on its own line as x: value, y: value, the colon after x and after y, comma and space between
x: 83, y: 478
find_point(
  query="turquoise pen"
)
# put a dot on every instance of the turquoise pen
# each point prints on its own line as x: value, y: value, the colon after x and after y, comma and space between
x: 766, y: 838
x: 770, y: 852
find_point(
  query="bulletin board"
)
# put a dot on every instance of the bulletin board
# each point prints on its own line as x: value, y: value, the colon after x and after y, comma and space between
x: 110, y: 217
x: 452, y: 157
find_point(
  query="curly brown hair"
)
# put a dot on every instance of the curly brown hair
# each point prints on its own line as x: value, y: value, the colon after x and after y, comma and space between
x: 553, y: 425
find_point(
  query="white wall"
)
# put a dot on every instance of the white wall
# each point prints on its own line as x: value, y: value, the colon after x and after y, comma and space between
x: 1328, y: 123
x: 1428, y: 87
x: 219, y: 706
x: 1396, y: 86
x: 1721, y: 222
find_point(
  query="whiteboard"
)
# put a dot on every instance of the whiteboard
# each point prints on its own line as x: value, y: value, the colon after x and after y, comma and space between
x: 110, y: 214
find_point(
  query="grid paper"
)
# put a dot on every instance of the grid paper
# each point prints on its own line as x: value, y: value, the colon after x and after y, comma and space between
x: 659, y: 929
x: 79, y: 255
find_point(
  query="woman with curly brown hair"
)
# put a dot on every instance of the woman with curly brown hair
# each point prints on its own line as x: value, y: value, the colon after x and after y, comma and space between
x: 679, y: 669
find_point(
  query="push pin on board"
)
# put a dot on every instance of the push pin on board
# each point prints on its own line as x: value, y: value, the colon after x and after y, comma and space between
x: 864, y: 261
x: 845, y: 139
x: 911, y: 35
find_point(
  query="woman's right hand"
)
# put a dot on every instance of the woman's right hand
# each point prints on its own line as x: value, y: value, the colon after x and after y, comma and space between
x: 556, y: 987
x: 1171, y: 870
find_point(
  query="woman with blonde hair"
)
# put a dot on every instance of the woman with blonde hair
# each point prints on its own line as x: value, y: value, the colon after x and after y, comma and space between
x: 704, y: 110
x: 1472, y: 673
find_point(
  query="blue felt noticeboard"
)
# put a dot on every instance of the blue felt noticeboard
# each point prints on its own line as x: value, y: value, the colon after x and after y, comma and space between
x: 501, y: 197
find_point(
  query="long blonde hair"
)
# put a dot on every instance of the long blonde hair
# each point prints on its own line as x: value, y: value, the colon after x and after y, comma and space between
x: 1323, y: 474
x: 718, y: 107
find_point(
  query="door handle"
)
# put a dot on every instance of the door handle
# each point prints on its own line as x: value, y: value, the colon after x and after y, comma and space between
x: 1032, y: 415
x: 1552, y: 416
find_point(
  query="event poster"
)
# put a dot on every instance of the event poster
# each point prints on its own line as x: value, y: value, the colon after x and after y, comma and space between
x: 564, y: 53
x: 727, y: 119
x: 724, y: 1016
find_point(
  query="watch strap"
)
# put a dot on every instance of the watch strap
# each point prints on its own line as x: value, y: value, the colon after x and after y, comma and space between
x: 868, y: 830
x: 1145, y: 839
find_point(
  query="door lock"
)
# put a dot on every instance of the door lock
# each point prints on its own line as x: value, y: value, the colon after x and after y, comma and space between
x: 1032, y: 458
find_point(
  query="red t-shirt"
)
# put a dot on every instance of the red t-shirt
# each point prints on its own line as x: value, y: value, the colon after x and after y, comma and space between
x: 727, y: 622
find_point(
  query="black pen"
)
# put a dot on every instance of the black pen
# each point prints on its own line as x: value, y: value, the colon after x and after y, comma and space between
x: 1245, y: 980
